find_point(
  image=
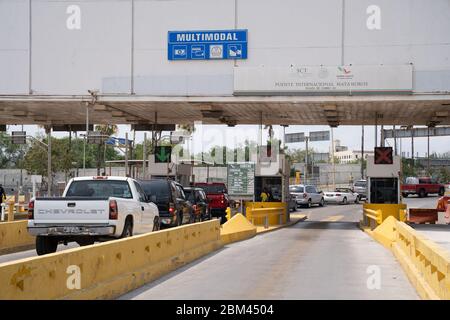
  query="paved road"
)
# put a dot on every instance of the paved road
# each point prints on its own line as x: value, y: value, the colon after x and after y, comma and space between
x: 439, y: 233
x: 326, y: 257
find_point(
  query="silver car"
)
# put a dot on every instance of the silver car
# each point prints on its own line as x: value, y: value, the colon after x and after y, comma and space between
x: 306, y: 195
x: 360, y: 187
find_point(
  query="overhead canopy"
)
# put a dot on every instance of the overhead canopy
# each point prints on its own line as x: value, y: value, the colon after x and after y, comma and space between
x: 413, y: 109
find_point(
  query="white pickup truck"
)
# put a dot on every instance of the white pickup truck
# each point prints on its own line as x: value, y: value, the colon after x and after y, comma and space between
x: 91, y: 209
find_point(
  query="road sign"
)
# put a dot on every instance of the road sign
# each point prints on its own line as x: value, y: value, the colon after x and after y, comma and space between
x: 416, y: 132
x: 96, y: 137
x: 163, y: 154
x: 241, y: 179
x: 294, y: 137
x: 206, y: 45
x: 151, y: 127
x: 383, y: 155
x: 117, y: 141
x: 319, y: 136
x: 72, y: 127
x: 19, y: 137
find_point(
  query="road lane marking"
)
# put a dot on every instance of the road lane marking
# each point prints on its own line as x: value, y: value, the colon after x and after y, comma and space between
x: 332, y: 219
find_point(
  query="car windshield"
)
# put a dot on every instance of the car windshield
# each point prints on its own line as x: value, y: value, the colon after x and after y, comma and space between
x: 296, y: 189
x: 157, y: 188
x: 360, y: 184
x: 99, y: 189
x: 189, y: 194
x: 342, y: 190
x: 213, y: 188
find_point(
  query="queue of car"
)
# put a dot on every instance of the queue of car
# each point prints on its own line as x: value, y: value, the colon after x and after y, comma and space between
x: 304, y: 195
x: 95, y: 209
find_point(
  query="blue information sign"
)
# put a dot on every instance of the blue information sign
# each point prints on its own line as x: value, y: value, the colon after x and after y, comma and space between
x: 205, y: 45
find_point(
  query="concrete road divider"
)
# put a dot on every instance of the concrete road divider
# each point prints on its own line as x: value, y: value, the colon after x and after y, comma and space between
x: 236, y: 229
x: 14, y: 237
x: 110, y: 269
x: 426, y: 264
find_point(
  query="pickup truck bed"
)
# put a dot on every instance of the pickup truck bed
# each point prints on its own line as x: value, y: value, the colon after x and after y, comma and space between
x: 97, y: 209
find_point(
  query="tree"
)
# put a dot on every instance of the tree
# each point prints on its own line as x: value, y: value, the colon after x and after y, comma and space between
x: 107, y: 130
x: 10, y: 154
x: 299, y: 155
x: 64, y: 158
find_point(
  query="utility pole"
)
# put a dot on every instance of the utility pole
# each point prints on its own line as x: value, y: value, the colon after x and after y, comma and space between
x: 85, y: 139
x: 412, y: 146
x: 306, y: 160
x: 376, y: 129
x: 126, y: 154
x: 428, y: 149
x: 362, y: 152
x: 395, y: 140
x: 332, y: 159
x: 382, y: 142
x: 48, y: 129
x: 144, y: 156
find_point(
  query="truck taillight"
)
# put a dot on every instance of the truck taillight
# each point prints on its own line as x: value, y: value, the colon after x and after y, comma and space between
x: 171, y: 209
x: 31, y: 210
x: 113, y: 211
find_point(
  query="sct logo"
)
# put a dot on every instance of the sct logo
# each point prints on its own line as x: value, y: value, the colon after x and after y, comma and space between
x: 179, y: 52
x: 344, y: 70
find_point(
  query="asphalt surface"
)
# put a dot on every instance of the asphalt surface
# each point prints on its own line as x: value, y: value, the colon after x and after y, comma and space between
x: 325, y: 257
x: 439, y: 233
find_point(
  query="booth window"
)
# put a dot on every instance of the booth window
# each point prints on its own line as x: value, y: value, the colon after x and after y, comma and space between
x: 384, y: 190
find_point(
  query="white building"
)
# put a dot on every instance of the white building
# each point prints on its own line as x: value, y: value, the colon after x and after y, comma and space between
x: 348, y: 156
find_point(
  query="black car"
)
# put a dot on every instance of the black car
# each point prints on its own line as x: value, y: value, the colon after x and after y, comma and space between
x: 174, y: 208
x: 197, y: 197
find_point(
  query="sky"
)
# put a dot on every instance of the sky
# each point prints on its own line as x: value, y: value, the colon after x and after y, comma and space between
x: 222, y: 135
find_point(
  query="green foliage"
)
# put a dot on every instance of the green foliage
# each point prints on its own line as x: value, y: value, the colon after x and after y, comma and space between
x: 299, y: 155
x: 67, y: 154
x: 10, y: 154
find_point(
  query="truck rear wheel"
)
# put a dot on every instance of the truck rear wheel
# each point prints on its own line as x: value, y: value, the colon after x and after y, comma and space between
x: 156, y: 224
x: 46, y: 245
x: 422, y: 193
x: 127, y: 229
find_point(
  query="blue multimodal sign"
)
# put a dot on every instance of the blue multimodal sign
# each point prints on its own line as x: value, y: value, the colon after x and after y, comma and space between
x: 206, y: 45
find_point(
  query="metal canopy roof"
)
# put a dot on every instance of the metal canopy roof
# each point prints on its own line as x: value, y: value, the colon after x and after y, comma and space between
x: 417, y: 109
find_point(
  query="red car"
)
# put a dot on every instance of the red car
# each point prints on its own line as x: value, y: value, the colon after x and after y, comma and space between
x: 422, y: 187
x: 217, y: 195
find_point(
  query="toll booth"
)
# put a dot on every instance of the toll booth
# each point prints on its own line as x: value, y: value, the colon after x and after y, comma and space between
x: 273, y: 175
x: 383, y: 181
x: 383, y: 191
x: 181, y: 172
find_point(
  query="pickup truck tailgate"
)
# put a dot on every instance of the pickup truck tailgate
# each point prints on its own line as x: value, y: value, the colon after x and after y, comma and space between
x: 68, y: 210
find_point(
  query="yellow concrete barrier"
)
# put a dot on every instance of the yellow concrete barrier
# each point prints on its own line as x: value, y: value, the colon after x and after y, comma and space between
x: 236, y: 229
x: 14, y: 237
x: 387, y: 210
x: 273, y: 220
x: 109, y: 269
x: 426, y: 264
